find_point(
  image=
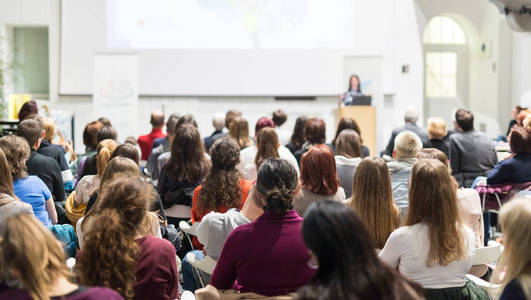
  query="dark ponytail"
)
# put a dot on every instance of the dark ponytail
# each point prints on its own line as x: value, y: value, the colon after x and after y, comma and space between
x: 277, y: 181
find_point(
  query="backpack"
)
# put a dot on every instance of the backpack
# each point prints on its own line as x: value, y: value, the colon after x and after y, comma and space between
x: 67, y: 235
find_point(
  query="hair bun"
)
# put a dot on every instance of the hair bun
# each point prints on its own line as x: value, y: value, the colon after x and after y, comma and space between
x: 279, y: 199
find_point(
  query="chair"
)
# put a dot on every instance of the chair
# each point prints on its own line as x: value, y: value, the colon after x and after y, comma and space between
x: 485, y: 256
x: 207, y: 264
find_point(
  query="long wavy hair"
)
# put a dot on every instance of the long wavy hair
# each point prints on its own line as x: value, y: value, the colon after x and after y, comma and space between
x: 221, y: 187
x: 318, y: 171
x: 110, y: 252
x: 372, y: 199
x: 515, y: 261
x: 17, y: 152
x: 32, y: 254
x: 348, y: 265
x: 433, y: 201
x: 187, y: 161
x: 6, y: 180
x: 267, y: 145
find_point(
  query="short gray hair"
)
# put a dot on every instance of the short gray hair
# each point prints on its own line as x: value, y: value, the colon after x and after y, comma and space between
x: 411, y: 115
x: 218, y: 121
x: 407, y: 144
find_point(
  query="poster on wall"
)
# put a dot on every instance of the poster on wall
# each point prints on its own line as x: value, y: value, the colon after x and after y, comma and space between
x: 115, y: 93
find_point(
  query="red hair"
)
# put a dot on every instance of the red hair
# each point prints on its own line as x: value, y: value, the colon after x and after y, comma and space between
x: 318, y: 171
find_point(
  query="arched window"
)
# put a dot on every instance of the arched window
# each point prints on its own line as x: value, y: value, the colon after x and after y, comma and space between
x: 444, y: 30
x: 443, y: 40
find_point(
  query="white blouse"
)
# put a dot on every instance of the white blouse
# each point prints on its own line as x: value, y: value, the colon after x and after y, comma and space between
x: 407, y: 249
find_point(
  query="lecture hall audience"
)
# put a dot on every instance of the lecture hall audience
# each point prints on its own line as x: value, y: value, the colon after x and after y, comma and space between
x: 411, y: 117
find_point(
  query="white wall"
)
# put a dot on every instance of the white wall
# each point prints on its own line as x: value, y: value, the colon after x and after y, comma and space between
x: 393, y: 36
x: 521, y: 66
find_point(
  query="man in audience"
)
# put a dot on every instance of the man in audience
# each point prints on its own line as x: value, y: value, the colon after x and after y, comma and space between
x: 410, y: 118
x: 164, y: 140
x: 279, y: 118
x: 152, y: 166
x: 407, y: 146
x: 219, y: 123
x: 44, y: 167
x: 146, y: 141
x: 472, y: 152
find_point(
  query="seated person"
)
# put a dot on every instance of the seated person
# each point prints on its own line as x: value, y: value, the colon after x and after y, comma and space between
x: 472, y: 152
x: 410, y: 118
x: 164, y: 146
x: 348, y: 156
x: 439, y: 138
x: 297, y: 137
x: 267, y: 256
x: 433, y: 249
x: 348, y: 265
x: 146, y: 141
x: 314, y: 134
x: 407, y: 145
x: 348, y: 123
x: 517, y: 168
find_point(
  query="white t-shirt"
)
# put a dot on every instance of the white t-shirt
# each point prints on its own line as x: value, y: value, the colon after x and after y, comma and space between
x: 407, y: 248
x: 247, y: 167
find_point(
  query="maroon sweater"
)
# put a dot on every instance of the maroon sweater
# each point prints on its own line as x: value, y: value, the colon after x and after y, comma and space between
x: 83, y: 293
x: 267, y: 257
x: 156, y: 270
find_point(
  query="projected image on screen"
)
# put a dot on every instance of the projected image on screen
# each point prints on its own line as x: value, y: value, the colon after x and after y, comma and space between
x: 229, y: 24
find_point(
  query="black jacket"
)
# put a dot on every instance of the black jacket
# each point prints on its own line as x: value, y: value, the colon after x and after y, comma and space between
x: 48, y: 170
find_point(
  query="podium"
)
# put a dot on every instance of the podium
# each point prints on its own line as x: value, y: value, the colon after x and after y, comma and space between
x: 365, y: 116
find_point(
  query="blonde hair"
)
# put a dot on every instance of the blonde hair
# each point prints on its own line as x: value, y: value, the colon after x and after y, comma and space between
x: 436, y: 128
x: 48, y: 125
x: 515, y: 221
x: 239, y: 130
x: 105, y: 150
x: 527, y: 122
x: 407, y: 144
x: 33, y: 253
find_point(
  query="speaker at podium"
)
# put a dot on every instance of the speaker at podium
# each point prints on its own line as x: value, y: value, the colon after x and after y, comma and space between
x: 365, y: 116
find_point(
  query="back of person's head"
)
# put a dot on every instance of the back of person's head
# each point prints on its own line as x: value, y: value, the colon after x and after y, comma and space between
x: 433, y: 153
x: 187, y: 160
x: 519, y: 141
x: 186, y: 119
x: 230, y: 116
x: 348, y: 143
x: 90, y: 134
x: 6, y: 180
x: 348, y: 265
x: 32, y: 254
x: 27, y: 109
x: 119, y: 167
x: 262, y: 123
x: 318, y: 171
x: 315, y: 131
x: 127, y: 151
x: 432, y: 201
x: 105, y: 121
x: 436, y: 128
x: 277, y: 183
x: 171, y: 123
x: 218, y: 121
x: 222, y: 185
x: 106, y: 132
x: 464, y: 119
x: 372, y: 199
x: 515, y: 221
x: 527, y: 122
x: 157, y: 119
x: 131, y: 140
x: 48, y: 124
x: 17, y: 151
x: 297, y: 137
x: 30, y: 130
x: 347, y: 123
x: 279, y: 117
x: 521, y: 117
x: 411, y: 115
x: 104, y: 152
x: 407, y: 144
x: 239, y: 130
x: 267, y: 145
x: 110, y: 250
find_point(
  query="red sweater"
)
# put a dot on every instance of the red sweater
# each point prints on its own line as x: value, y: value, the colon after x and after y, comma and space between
x: 245, y: 186
x: 146, y: 142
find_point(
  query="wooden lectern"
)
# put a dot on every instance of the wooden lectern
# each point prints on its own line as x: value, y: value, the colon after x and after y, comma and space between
x: 365, y: 116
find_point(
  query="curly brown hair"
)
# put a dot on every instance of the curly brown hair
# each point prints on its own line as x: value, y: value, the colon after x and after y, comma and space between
x: 221, y: 187
x: 17, y: 151
x: 110, y: 251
